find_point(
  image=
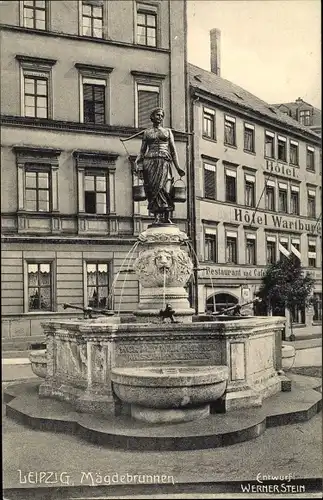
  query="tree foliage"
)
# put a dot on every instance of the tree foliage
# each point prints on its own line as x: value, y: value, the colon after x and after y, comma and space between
x: 287, y: 283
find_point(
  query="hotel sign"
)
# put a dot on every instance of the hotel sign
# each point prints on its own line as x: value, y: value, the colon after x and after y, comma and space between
x: 274, y: 221
x: 282, y: 169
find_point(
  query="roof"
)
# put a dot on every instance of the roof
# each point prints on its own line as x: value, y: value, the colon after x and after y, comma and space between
x: 228, y: 91
x: 295, y: 105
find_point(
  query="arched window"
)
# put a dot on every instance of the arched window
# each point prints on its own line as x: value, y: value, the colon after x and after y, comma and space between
x: 220, y: 301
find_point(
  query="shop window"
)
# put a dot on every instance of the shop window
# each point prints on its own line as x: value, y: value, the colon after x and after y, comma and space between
x: 317, y: 305
x: 298, y: 315
x: 220, y: 301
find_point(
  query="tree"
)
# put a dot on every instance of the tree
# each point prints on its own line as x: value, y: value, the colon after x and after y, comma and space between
x: 288, y: 284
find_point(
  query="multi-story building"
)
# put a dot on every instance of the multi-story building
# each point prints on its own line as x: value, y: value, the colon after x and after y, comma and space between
x: 304, y: 113
x: 256, y: 180
x: 76, y: 77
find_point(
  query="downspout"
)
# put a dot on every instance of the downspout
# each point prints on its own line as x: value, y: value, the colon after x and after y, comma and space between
x: 192, y: 198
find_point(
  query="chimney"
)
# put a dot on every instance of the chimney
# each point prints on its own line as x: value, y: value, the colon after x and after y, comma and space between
x: 215, y: 39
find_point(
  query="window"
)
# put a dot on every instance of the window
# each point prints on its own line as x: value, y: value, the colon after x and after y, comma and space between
x: 270, y: 195
x: 146, y: 28
x: 98, y: 285
x: 148, y: 98
x: 230, y: 186
x: 229, y: 131
x: 311, y: 211
x: 250, y: 190
x: 231, y: 248
x: 317, y: 305
x: 251, y: 249
x: 209, y: 123
x: 95, y: 193
x: 37, y: 190
x: 36, y: 86
x: 37, y: 178
x: 311, y: 254
x: 282, y: 148
x: 96, y: 183
x: 209, y: 181
x: 210, y: 252
x: 40, y: 295
x: 282, y: 197
x: 310, y: 159
x: 269, y: 145
x: 92, y: 20
x: 249, y: 138
x: 294, y: 200
x: 305, y: 117
x: 293, y: 152
x: 271, y: 250
x: 298, y: 315
x: 35, y: 96
x: 34, y: 14
x: 94, y: 101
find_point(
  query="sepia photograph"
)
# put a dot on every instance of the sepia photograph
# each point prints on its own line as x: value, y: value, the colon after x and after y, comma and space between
x: 161, y: 249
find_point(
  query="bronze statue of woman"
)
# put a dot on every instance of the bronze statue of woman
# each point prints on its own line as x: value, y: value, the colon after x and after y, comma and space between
x: 154, y: 164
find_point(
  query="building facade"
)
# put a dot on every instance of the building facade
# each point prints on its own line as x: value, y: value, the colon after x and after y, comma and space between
x: 76, y: 77
x: 256, y: 178
x: 304, y: 113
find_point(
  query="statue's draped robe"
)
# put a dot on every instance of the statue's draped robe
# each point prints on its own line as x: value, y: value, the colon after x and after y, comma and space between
x: 157, y: 171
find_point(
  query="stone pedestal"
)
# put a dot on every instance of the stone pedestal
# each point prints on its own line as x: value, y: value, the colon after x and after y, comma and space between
x: 163, y: 268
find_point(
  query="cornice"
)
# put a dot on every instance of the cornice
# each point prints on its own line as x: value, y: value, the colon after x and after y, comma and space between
x: 77, y: 127
x: 84, y: 39
x: 148, y: 74
x: 34, y: 59
x: 93, y: 67
x: 24, y: 150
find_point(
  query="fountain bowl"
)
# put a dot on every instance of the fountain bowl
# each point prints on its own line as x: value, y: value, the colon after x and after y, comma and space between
x: 169, y: 393
x: 38, y: 361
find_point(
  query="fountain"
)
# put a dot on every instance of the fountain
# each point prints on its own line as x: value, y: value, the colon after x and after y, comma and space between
x: 148, y: 382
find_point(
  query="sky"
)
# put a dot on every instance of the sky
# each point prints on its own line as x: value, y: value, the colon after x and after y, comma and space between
x: 272, y: 48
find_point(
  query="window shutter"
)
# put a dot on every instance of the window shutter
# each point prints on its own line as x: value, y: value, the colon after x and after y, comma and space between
x: 147, y: 101
x: 209, y: 184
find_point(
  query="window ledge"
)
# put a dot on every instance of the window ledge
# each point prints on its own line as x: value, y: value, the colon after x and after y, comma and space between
x: 233, y: 146
x: 250, y: 152
x: 207, y: 138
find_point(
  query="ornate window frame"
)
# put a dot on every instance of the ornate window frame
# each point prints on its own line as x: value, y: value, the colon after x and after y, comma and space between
x: 36, y: 66
x: 42, y: 157
x: 96, y: 161
x: 88, y: 73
